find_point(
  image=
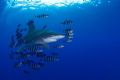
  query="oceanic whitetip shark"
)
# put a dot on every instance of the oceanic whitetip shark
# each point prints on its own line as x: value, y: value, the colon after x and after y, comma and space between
x: 41, y: 36
x: 38, y: 36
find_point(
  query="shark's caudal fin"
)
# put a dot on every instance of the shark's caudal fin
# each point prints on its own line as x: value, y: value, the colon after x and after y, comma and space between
x: 31, y: 26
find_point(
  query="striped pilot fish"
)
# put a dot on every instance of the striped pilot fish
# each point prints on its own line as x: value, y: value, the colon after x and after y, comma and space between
x: 51, y: 58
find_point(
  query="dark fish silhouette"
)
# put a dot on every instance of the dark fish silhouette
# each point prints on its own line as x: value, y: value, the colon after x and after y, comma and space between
x: 26, y: 62
x: 40, y: 54
x: 50, y: 58
x: 17, y: 64
x: 23, y: 55
x: 18, y: 32
x: 12, y: 43
x: 33, y: 65
x: 18, y: 35
x: 42, y: 16
x: 32, y: 48
x: 67, y: 22
x: 36, y: 66
x: 69, y: 35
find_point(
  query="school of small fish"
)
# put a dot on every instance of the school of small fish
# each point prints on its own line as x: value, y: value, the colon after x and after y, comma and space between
x: 28, y: 46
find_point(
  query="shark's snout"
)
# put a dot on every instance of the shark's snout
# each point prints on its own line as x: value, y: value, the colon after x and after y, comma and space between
x: 53, y: 38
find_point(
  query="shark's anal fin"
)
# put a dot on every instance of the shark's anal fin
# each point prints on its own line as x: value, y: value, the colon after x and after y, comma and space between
x: 31, y: 26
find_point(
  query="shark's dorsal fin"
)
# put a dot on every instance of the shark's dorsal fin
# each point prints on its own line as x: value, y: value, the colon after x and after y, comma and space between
x: 31, y: 26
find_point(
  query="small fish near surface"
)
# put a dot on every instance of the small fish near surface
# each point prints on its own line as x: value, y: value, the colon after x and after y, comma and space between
x: 42, y: 16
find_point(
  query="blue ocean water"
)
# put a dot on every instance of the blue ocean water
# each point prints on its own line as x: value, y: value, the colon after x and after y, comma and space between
x: 92, y: 55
